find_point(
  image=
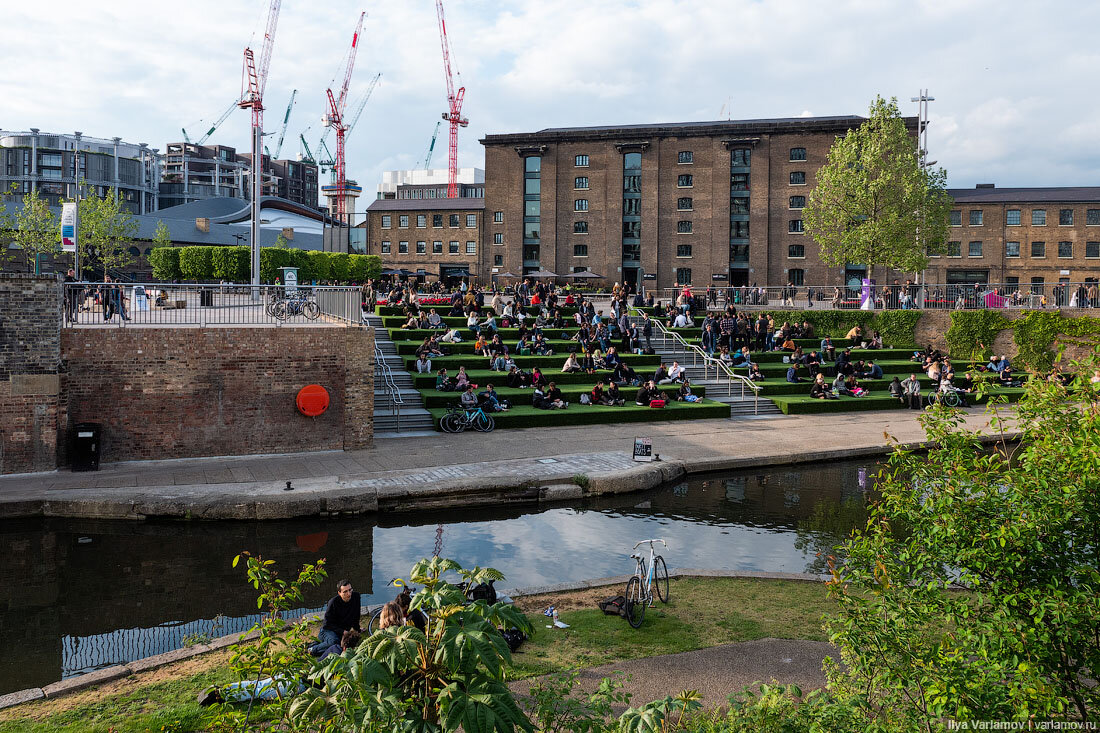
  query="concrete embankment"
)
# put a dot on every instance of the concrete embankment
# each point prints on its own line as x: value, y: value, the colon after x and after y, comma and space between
x: 425, y: 472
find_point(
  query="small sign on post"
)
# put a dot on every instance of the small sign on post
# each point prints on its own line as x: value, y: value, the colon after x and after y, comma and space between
x: 68, y: 227
x: 290, y: 280
x: 643, y: 449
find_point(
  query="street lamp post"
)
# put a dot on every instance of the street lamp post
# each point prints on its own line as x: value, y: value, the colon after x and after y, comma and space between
x: 922, y: 101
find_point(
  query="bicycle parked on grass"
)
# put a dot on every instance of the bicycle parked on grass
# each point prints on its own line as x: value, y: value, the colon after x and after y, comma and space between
x: 647, y: 578
x: 458, y: 419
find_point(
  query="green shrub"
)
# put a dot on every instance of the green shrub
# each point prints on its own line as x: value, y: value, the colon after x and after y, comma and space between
x: 196, y: 263
x: 166, y: 263
x: 231, y: 263
x: 339, y: 267
x: 319, y: 265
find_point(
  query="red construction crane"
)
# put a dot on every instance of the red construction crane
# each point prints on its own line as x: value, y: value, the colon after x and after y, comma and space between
x: 335, y: 119
x: 253, y: 82
x: 454, y: 101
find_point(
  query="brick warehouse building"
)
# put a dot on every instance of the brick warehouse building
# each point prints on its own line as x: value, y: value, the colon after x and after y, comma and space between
x: 436, y: 238
x: 1037, y: 236
x: 697, y: 202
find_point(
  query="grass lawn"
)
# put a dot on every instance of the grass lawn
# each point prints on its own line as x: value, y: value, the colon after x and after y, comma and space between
x: 703, y: 612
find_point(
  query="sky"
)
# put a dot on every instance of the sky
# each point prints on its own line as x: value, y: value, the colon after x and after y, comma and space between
x: 1014, y: 83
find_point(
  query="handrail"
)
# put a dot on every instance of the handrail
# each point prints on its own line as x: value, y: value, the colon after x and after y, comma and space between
x: 388, y: 383
x: 698, y: 353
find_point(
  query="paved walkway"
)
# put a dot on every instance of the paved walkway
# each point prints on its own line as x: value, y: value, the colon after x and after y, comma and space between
x: 716, y: 673
x: 518, y: 455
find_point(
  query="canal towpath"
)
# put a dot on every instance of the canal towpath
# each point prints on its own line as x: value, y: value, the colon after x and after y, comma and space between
x: 434, y: 470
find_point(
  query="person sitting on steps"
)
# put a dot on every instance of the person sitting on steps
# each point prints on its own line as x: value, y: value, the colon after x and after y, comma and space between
x: 646, y: 394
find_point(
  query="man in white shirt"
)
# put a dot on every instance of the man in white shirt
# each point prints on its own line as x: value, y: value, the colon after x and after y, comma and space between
x: 676, y: 372
x: 681, y: 321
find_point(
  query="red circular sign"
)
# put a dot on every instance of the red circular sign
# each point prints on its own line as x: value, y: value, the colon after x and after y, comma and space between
x: 312, y: 400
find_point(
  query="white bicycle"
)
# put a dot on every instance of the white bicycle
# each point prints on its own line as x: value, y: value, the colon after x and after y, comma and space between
x: 647, y: 578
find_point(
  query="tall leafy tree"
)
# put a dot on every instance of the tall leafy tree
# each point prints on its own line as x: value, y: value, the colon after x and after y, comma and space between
x: 38, y: 230
x: 7, y: 226
x: 973, y: 590
x: 874, y: 204
x: 106, y: 232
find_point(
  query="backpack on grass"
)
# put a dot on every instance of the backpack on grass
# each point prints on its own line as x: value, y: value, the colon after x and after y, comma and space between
x: 613, y: 606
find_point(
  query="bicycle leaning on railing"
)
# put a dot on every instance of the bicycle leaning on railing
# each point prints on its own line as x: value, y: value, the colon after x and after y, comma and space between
x: 647, y: 578
x: 299, y: 305
x: 458, y: 419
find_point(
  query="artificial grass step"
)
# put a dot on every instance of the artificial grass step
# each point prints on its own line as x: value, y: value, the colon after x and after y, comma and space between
x: 576, y: 414
x: 559, y: 346
x: 483, y: 376
x: 526, y: 363
x: 777, y: 387
x: 806, y: 405
x: 571, y: 393
x: 890, y: 367
x: 442, y: 308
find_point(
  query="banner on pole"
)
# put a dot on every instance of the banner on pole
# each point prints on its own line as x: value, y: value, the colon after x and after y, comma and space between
x: 68, y: 227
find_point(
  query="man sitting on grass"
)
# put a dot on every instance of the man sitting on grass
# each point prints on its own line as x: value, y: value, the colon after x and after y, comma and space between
x: 910, y: 390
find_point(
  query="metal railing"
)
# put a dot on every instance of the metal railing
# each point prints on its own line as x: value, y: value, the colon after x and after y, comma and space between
x: 944, y: 296
x: 163, y: 304
x: 389, y: 385
x: 720, y: 369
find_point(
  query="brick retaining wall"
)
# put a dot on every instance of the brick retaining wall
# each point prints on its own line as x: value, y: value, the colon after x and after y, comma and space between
x: 31, y: 407
x: 180, y: 392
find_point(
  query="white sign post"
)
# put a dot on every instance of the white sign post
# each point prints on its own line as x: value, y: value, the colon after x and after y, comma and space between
x: 70, y: 226
x: 643, y: 449
x: 290, y: 280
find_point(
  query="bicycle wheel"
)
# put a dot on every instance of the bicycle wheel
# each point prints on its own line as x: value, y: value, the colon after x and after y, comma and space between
x: 660, y: 579
x: 450, y: 422
x: 951, y: 399
x: 311, y: 310
x: 280, y: 310
x: 484, y: 423
x: 372, y: 625
x: 635, y: 603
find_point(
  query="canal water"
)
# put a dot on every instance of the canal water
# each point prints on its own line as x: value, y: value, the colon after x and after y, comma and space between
x: 77, y: 595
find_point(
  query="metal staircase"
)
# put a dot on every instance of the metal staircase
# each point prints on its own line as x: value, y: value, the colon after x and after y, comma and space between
x: 720, y: 382
x: 398, y: 407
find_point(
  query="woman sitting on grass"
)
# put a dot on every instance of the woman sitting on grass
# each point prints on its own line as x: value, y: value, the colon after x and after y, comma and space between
x: 571, y: 364
x: 754, y: 373
x: 443, y: 383
x: 819, y: 390
x: 461, y: 380
x: 684, y: 393
x: 614, y: 396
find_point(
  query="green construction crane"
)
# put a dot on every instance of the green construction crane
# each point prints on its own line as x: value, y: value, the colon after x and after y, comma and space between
x: 282, y: 131
x: 431, y: 147
x: 308, y: 157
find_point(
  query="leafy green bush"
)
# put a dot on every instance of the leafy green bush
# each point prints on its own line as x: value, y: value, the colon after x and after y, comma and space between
x: 166, y: 263
x: 196, y: 263
x: 971, y: 333
x: 972, y: 591
x: 230, y: 263
x: 339, y: 267
x: 401, y: 678
x: 897, y: 326
x: 319, y: 268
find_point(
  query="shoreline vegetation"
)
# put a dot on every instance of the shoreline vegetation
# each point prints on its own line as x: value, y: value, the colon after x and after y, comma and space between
x: 703, y: 612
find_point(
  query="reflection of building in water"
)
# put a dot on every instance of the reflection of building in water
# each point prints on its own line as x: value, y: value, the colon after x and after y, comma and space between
x: 735, y: 489
x: 63, y: 601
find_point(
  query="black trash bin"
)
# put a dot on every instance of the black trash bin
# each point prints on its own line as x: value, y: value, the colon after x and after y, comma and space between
x: 85, y: 446
x: 206, y: 297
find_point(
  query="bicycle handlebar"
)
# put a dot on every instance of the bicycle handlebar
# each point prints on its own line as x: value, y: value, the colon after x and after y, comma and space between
x: 642, y: 542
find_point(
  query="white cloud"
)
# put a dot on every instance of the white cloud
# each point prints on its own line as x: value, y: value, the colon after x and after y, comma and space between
x: 1006, y: 111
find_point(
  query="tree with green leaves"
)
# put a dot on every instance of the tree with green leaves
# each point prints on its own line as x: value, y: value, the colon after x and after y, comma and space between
x: 106, y: 232
x: 404, y: 679
x: 874, y: 203
x: 37, y: 230
x: 973, y: 590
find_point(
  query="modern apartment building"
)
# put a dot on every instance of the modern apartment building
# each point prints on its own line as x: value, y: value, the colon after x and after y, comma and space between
x: 197, y: 172
x: 430, y: 184
x: 53, y: 164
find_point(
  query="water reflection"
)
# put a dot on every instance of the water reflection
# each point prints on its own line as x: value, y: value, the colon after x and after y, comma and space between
x: 76, y: 595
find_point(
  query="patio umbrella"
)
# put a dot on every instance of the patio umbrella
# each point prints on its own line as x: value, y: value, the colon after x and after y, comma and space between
x: 504, y: 274
x: 585, y: 275
x: 541, y: 274
x: 391, y: 272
